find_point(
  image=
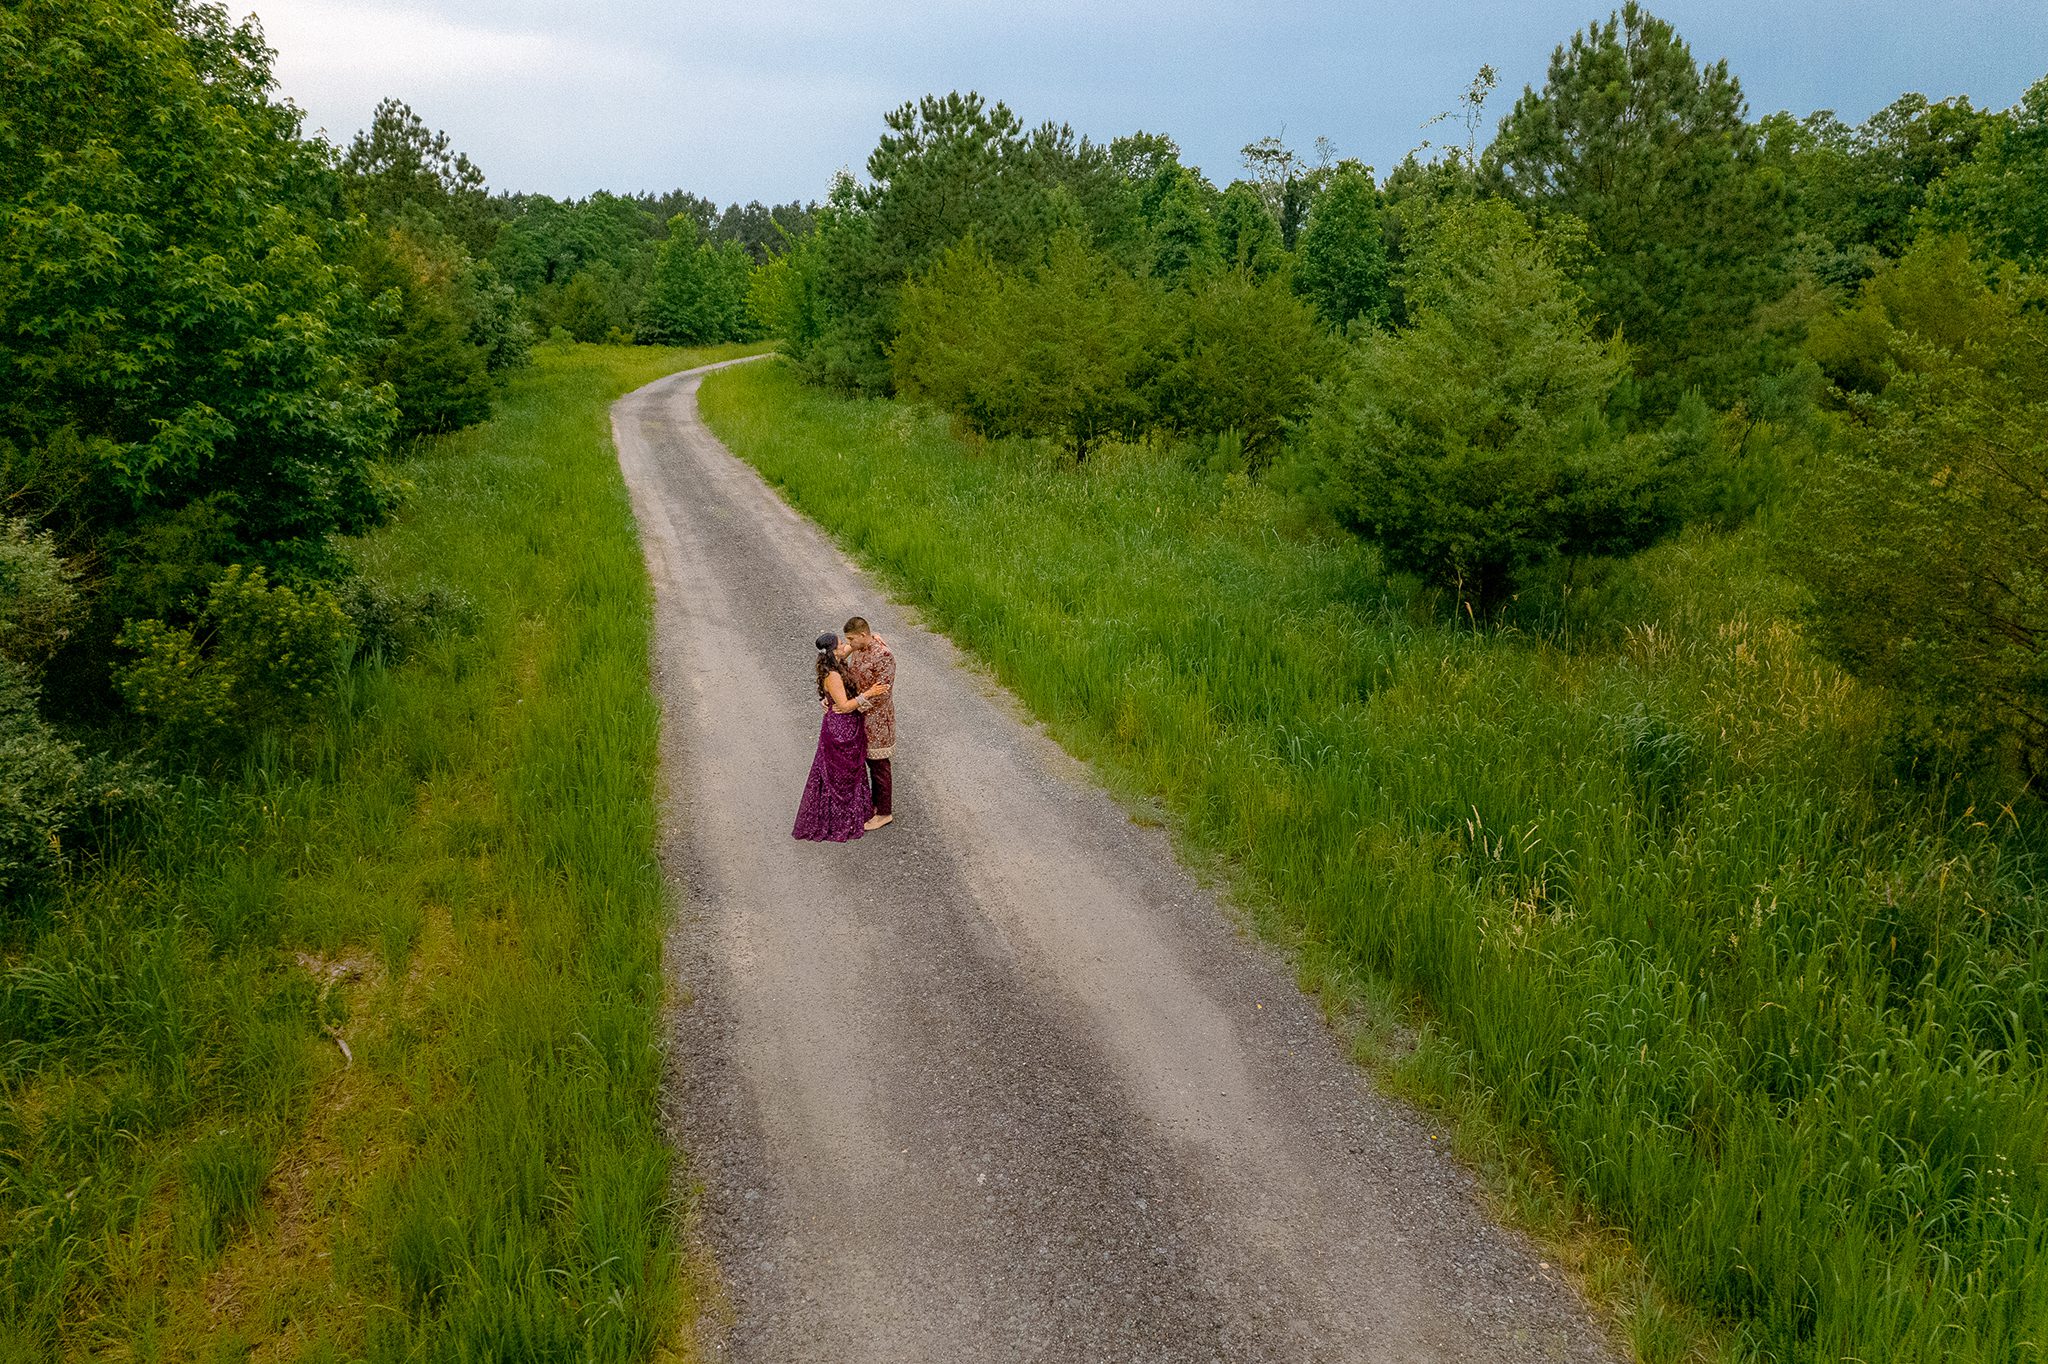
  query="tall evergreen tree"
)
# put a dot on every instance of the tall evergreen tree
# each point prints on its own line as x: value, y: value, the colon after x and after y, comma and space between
x: 945, y: 166
x: 398, y: 167
x: 1655, y: 154
x: 1183, y: 236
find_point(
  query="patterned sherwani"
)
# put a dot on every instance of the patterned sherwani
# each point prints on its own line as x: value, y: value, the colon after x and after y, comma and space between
x: 867, y: 667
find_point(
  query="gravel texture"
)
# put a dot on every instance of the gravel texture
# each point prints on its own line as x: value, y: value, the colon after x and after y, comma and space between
x: 1001, y: 1081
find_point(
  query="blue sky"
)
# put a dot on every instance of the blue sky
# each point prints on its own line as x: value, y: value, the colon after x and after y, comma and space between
x: 746, y: 100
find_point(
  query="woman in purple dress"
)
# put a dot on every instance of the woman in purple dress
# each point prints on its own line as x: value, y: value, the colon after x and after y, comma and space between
x: 837, y: 799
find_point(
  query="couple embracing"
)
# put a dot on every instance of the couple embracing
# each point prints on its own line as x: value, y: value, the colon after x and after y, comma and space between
x: 849, y: 791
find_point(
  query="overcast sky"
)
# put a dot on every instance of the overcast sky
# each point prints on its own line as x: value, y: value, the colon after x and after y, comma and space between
x: 744, y: 101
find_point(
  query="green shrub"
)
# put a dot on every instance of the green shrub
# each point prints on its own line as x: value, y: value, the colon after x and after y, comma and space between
x: 497, y: 320
x: 597, y: 302
x: 782, y: 297
x: 259, y: 655
x: 1247, y: 357
x: 48, y: 789
x: 1060, y: 351
x: 188, y: 699
x: 1920, y: 535
x: 39, y: 598
x: 1472, y: 445
x: 392, y: 623
x: 40, y: 783
x: 282, y: 644
x: 439, y: 374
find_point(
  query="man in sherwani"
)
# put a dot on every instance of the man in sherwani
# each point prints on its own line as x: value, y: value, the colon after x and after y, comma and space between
x: 871, y: 662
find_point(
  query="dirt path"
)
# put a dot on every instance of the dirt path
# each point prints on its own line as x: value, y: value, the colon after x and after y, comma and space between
x: 1001, y: 1082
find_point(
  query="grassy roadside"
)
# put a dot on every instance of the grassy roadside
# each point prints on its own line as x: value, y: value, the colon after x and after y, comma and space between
x: 452, y: 875
x: 1682, y: 951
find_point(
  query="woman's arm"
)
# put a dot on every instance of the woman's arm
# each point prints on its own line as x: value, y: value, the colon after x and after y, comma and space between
x: 836, y: 697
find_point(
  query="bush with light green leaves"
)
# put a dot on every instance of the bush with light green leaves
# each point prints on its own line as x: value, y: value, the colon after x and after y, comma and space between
x: 260, y: 654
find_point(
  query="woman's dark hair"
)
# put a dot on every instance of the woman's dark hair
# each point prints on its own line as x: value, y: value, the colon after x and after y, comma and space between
x: 827, y: 664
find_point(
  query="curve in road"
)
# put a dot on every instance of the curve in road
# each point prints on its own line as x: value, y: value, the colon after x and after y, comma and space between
x: 1001, y: 1081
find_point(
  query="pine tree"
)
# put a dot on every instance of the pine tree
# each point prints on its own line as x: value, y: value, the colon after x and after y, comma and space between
x: 1655, y: 154
x: 399, y: 165
x: 1471, y: 445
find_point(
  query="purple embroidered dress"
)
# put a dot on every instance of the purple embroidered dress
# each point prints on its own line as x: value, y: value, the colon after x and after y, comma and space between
x: 837, y: 800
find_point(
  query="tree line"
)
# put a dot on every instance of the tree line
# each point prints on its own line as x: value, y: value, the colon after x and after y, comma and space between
x: 1635, y: 308
x: 216, y: 334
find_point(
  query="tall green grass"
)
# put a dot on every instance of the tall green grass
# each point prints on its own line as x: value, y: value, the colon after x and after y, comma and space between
x: 1776, y: 1013
x: 453, y: 871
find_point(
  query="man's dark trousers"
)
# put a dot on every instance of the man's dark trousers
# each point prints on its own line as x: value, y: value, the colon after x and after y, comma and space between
x: 880, y: 778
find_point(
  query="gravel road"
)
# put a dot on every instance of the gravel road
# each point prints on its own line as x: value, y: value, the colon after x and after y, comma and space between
x: 1001, y: 1082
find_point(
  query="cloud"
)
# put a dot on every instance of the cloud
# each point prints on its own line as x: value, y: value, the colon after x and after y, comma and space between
x: 328, y: 47
x: 617, y: 96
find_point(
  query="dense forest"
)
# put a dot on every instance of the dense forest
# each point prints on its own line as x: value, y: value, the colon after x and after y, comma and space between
x: 1635, y: 308
x: 216, y: 334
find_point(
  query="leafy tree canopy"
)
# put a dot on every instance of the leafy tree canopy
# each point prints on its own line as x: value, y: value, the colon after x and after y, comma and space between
x: 180, y: 351
x: 1858, y: 190
x: 698, y: 292
x: 1921, y: 536
x: 1342, y: 270
x: 1183, y: 235
x: 2001, y: 194
x: 1247, y: 237
x: 549, y: 242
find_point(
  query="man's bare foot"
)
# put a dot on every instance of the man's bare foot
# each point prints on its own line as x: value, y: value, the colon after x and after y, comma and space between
x: 877, y: 822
